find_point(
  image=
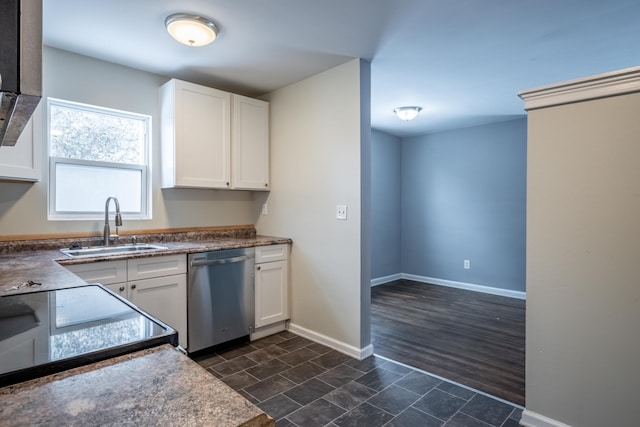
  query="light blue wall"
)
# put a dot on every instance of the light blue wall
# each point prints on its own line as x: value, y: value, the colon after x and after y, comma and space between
x: 385, y: 205
x: 463, y: 196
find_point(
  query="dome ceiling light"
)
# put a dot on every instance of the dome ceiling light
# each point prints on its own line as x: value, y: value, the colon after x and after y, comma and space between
x: 191, y: 30
x: 407, y: 113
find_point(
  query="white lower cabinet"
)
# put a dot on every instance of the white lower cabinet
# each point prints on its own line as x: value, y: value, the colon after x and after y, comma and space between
x: 162, y: 297
x: 157, y: 285
x: 271, y: 289
x: 271, y: 293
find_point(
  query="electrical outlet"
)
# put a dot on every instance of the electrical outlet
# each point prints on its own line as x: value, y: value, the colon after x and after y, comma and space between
x: 265, y: 209
x: 341, y: 211
x: 467, y: 264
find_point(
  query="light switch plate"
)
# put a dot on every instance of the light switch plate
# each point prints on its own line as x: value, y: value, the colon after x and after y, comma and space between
x: 341, y: 211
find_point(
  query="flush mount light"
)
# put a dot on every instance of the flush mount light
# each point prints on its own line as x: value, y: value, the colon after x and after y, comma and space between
x: 407, y: 113
x: 192, y: 30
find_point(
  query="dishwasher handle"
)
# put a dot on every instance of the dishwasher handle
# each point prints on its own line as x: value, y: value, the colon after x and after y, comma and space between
x: 203, y: 261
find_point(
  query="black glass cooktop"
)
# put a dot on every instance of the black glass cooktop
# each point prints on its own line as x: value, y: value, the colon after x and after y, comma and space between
x: 50, y: 331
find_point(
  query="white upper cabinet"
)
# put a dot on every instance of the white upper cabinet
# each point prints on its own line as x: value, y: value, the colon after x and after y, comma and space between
x: 208, y: 144
x: 250, y: 143
x: 23, y: 161
x: 195, y: 135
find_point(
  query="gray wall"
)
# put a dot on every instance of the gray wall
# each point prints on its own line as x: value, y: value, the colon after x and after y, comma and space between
x: 320, y: 137
x: 385, y: 205
x: 583, y: 248
x: 463, y: 197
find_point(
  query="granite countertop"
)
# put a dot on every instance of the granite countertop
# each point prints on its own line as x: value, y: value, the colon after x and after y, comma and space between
x: 46, y: 266
x: 158, y: 386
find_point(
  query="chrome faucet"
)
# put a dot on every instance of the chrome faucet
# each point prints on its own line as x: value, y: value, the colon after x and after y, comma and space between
x: 107, y: 230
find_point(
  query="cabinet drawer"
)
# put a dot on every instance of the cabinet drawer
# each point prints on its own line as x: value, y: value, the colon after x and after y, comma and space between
x: 106, y: 272
x: 271, y: 253
x: 146, y: 268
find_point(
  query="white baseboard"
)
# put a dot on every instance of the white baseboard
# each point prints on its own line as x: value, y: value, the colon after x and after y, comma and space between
x: 349, y: 350
x: 386, y: 279
x: 531, y: 419
x: 450, y: 283
x: 265, y: 331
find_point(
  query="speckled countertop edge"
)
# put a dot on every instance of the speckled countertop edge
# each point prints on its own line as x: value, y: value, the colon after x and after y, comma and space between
x: 158, y: 386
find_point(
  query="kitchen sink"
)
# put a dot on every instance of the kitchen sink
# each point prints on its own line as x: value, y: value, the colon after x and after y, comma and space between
x: 98, y: 251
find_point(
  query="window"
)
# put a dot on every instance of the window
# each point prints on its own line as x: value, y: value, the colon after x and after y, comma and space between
x: 95, y: 153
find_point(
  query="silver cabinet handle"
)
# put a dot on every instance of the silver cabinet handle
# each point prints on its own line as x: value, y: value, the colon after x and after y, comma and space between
x: 202, y: 262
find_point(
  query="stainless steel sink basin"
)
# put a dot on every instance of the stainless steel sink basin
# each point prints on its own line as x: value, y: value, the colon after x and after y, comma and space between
x: 98, y: 251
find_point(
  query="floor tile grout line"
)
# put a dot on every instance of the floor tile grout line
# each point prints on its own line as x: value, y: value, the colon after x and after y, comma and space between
x: 460, y: 410
x: 384, y: 410
x: 427, y: 392
x: 312, y: 402
x: 431, y: 415
x: 366, y: 400
x: 371, y: 397
x: 370, y: 404
x: 510, y: 417
x: 335, y: 388
x: 453, y: 382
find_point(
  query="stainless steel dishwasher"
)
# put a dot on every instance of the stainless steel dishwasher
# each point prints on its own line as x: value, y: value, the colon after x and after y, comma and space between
x: 220, y: 297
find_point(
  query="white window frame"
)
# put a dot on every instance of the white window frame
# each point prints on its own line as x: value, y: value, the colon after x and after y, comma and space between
x: 146, y: 190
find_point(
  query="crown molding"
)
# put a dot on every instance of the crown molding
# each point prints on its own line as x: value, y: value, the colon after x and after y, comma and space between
x: 599, y: 86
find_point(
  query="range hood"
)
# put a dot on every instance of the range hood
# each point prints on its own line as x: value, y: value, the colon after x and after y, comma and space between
x: 20, y: 65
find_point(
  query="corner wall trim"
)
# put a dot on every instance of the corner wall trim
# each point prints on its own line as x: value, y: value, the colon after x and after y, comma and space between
x: 599, y: 86
x: 349, y: 350
x: 531, y: 419
x: 452, y: 284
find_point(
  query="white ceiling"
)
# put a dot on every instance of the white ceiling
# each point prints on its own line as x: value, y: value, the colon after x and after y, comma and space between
x: 463, y: 61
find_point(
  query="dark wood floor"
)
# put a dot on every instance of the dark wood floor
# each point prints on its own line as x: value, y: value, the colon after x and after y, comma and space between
x: 469, y: 337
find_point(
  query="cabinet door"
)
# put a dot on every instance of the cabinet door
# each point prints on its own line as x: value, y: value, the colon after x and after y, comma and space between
x: 23, y: 162
x: 196, y: 136
x: 164, y: 298
x: 272, y: 293
x: 31, y: 347
x: 250, y: 143
x: 119, y: 288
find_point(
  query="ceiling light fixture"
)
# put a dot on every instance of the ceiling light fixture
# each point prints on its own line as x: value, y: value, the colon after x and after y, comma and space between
x: 192, y: 30
x: 407, y: 113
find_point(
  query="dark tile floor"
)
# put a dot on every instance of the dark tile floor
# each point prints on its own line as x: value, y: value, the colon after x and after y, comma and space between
x: 302, y: 383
